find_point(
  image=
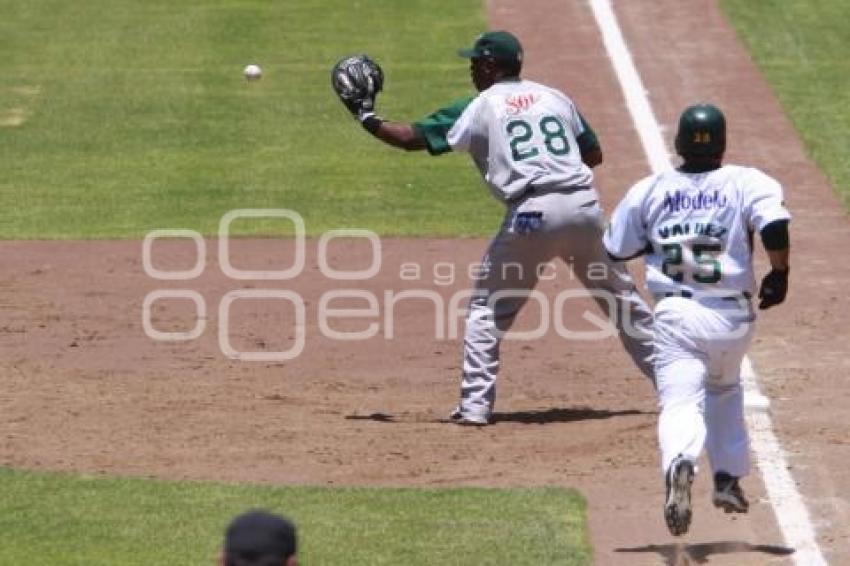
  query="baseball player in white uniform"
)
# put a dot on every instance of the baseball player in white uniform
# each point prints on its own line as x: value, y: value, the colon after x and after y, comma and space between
x: 696, y: 224
x: 535, y: 153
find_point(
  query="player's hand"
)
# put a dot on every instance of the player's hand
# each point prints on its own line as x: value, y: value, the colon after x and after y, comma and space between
x: 773, y: 289
x: 357, y: 80
x: 360, y: 107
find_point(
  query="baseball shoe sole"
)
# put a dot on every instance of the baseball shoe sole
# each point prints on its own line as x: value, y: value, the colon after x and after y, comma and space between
x: 466, y: 419
x: 728, y: 495
x: 677, y: 509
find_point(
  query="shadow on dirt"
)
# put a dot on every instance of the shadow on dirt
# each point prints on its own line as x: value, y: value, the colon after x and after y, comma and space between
x: 545, y: 416
x: 686, y: 554
x: 562, y: 415
x: 377, y: 417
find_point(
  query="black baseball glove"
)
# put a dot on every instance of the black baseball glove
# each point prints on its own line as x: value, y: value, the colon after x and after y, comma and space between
x: 357, y: 80
x: 774, y: 287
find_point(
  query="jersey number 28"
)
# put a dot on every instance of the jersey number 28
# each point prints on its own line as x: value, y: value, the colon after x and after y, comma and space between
x: 707, y: 265
x: 554, y: 137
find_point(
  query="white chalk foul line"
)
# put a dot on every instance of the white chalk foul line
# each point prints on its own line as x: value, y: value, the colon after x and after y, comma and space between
x: 633, y: 90
x: 791, y: 513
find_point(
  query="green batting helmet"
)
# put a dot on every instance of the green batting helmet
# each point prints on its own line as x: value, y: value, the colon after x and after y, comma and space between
x: 702, y: 131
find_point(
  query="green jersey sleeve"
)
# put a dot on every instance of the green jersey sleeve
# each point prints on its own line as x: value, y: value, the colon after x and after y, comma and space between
x: 435, y: 127
x: 587, y: 139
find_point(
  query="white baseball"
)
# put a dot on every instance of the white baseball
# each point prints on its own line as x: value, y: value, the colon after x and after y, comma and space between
x: 252, y: 72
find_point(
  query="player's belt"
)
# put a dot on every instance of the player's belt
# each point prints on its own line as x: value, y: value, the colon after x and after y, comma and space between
x: 536, y: 190
x: 746, y: 295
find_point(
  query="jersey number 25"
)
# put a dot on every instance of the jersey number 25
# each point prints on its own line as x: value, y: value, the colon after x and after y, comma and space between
x: 707, y: 268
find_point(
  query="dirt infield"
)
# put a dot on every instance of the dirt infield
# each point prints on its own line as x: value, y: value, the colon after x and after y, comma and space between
x: 84, y: 387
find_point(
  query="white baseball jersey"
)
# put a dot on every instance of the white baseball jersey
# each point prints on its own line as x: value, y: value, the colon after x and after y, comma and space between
x: 696, y: 228
x: 524, y: 136
x: 520, y: 134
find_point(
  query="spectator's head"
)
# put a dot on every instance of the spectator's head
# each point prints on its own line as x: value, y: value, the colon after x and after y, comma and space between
x: 258, y: 538
x: 496, y: 55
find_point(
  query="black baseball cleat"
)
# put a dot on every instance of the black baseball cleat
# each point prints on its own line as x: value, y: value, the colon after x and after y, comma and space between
x: 677, y: 508
x: 728, y: 495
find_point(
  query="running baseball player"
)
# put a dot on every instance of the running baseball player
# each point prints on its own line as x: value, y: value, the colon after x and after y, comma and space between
x: 695, y: 224
x: 535, y: 152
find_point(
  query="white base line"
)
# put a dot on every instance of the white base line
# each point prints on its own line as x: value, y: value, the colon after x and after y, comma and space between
x: 791, y: 513
x: 633, y: 90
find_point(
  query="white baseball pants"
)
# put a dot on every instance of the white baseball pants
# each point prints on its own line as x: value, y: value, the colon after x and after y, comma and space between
x: 699, y: 345
x: 534, y: 232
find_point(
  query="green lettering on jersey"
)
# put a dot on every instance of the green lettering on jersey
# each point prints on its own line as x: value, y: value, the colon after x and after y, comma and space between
x: 520, y: 133
x: 708, y: 267
x: 672, y: 262
x: 555, y: 137
x: 703, y: 254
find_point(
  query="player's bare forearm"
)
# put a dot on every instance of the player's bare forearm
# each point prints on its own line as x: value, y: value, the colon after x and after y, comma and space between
x: 400, y: 134
x: 780, y: 259
x: 592, y: 157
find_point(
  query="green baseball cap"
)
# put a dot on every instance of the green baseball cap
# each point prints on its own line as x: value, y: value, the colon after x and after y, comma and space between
x: 500, y: 45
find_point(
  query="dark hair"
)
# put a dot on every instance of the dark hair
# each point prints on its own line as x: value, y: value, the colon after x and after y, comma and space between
x: 261, y: 561
x: 259, y: 538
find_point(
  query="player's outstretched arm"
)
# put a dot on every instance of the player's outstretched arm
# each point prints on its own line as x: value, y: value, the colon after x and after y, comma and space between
x: 402, y: 135
x: 357, y: 80
x: 774, y: 286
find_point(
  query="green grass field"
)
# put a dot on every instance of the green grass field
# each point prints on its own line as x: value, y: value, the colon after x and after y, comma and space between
x: 53, y: 519
x: 118, y: 117
x: 801, y: 46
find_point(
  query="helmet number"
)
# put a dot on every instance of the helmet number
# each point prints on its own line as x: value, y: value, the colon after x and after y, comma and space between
x: 553, y: 132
